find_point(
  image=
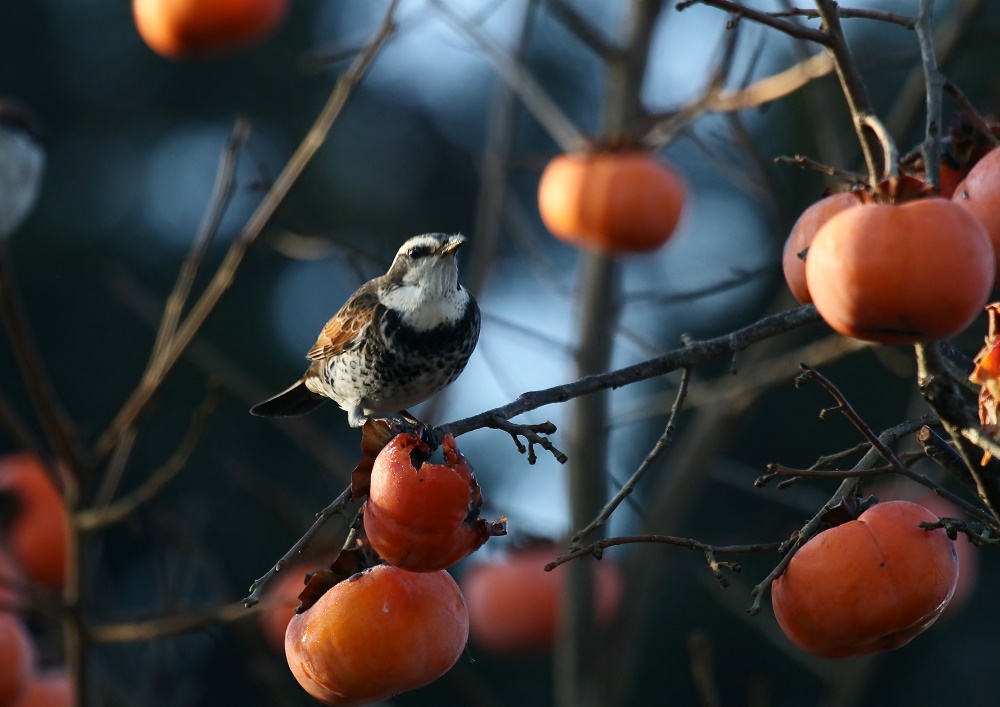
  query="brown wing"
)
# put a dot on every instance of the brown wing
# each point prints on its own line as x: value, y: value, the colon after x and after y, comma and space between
x: 342, y: 331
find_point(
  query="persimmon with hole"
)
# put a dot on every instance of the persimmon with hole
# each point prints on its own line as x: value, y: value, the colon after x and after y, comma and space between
x: 793, y: 258
x: 201, y: 28
x: 868, y: 585
x: 421, y: 516
x: 979, y: 192
x: 901, y: 273
x: 33, y: 519
x: 378, y: 633
x: 17, y: 658
x: 611, y: 201
x: 515, y: 605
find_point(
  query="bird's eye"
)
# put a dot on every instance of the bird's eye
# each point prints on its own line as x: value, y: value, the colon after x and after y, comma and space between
x: 419, y: 251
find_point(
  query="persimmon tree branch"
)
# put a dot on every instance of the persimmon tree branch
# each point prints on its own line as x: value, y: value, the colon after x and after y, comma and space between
x: 933, y: 81
x: 106, y: 514
x: 846, y: 13
x: 768, y: 19
x: 541, y: 106
x: 344, y: 507
x: 693, y: 354
x: 626, y: 490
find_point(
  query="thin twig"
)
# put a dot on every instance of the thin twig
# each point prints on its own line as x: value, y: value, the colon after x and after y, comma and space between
x: 344, y: 506
x: 144, y: 630
x: 596, y: 549
x: 808, y: 163
x: 661, y: 444
x: 583, y: 29
x: 222, y: 192
x: 559, y: 127
x: 790, y: 28
x: 103, y: 515
x: 223, y: 278
x: 847, y: 13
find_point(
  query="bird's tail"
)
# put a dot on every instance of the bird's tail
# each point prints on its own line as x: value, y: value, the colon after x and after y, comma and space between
x: 296, y: 400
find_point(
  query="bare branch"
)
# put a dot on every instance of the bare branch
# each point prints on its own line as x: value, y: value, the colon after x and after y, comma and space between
x: 537, y: 101
x: 661, y: 444
x: 596, y: 549
x: 765, y: 18
x: 107, y: 514
x: 344, y: 507
x: 689, y: 356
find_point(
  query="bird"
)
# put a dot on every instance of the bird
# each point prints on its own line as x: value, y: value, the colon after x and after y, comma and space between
x: 397, y: 341
x: 22, y: 162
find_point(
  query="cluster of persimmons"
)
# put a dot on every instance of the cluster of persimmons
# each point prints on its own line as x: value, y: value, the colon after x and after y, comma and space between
x: 420, y: 518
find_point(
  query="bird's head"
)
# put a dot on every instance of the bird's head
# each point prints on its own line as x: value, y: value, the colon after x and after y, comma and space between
x: 424, y: 278
x: 428, y: 262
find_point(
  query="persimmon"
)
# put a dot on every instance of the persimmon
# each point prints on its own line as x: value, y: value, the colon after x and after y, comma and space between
x: 792, y: 260
x: 611, y: 201
x: 868, y: 585
x: 420, y: 516
x: 49, y: 689
x: 34, y: 520
x: 901, y: 273
x: 17, y: 658
x: 199, y: 28
x: 380, y: 632
x: 979, y: 192
x: 515, y: 605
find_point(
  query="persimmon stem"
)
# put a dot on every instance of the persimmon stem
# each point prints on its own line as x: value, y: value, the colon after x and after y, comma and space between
x: 933, y: 81
x: 889, y: 151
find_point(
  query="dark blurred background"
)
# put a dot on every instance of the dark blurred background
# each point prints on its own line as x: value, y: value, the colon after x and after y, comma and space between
x: 133, y: 145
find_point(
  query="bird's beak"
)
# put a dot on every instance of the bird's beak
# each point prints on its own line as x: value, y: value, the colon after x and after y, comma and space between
x: 453, y: 244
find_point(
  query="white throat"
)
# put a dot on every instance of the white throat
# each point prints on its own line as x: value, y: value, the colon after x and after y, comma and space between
x: 423, y: 308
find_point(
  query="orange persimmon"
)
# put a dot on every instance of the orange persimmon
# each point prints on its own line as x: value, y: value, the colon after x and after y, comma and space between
x: 901, y: 274
x: 378, y: 633
x: 48, y: 689
x: 611, y: 201
x: 515, y: 605
x: 868, y: 585
x: 979, y: 192
x: 792, y: 260
x: 199, y: 28
x: 17, y: 658
x: 421, y: 516
x: 35, y: 524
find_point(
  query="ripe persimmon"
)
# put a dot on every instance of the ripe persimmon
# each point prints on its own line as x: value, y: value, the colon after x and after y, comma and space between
x: 792, y: 260
x: 611, y: 201
x: 198, y: 28
x: 979, y: 192
x: 901, y: 274
x: 34, y: 523
x: 420, y: 516
x: 380, y: 632
x: 17, y: 658
x: 48, y: 689
x: 515, y: 605
x: 868, y: 585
